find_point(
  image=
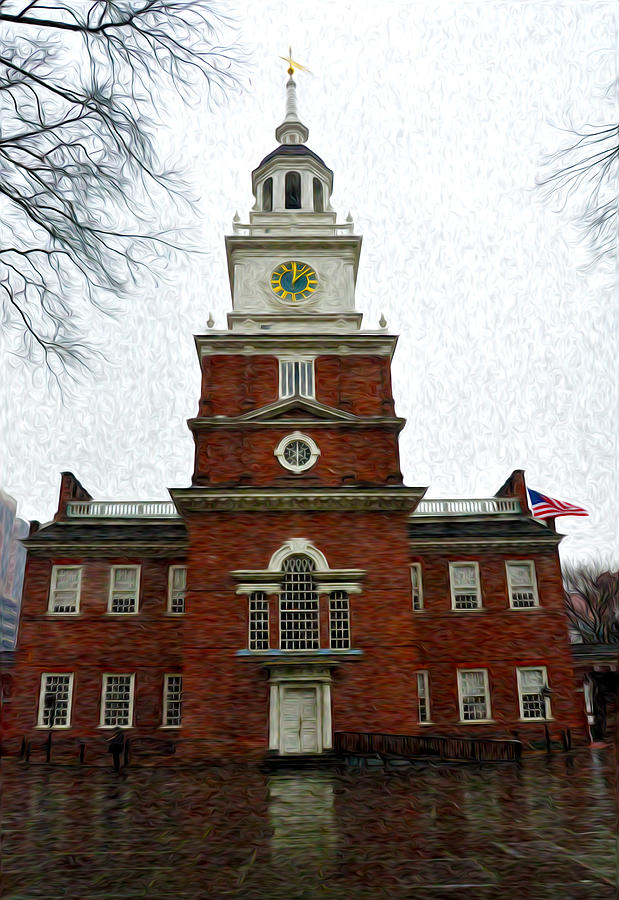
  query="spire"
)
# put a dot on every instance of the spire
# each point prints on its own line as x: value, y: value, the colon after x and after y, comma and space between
x: 292, y: 130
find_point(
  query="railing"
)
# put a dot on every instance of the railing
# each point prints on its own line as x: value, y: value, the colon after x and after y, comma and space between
x: 165, y: 509
x: 292, y: 228
x: 104, y: 509
x: 410, y: 746
x: 476, y: 507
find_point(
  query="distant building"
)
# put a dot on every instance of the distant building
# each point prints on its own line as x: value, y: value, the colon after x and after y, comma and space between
x: 12, y: 564
x: 296, y: 588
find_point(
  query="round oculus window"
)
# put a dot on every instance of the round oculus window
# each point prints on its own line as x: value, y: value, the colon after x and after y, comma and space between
x: 297, y: 452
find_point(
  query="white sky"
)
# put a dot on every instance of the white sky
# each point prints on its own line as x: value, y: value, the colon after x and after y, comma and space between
x: 434, y: 117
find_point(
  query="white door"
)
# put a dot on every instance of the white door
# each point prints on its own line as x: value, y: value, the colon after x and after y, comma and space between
x: 299, y: 721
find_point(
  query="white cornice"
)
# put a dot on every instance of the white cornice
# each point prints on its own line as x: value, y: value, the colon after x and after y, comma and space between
x: 199, y: 499
x: 275, y: 344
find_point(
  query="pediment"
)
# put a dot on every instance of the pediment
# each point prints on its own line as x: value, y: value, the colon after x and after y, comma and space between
x: 296, y: 407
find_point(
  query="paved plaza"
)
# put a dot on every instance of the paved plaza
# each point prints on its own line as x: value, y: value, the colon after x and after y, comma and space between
x: 543, y: 829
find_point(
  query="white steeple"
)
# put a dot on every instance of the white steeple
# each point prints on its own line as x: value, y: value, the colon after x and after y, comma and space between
x: 292, y: 130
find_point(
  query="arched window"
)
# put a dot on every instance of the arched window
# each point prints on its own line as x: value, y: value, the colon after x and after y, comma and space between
x: 267, y: 195
x: 318, y: 202
x: 293, y: 190
x: 298, y: 606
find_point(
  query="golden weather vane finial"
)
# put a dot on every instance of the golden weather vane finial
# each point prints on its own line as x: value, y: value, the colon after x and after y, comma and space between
x: 292, y: 65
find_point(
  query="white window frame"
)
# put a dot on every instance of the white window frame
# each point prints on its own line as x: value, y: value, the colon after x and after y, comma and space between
x: 297, y: 436
x: 469, y: 564
x: 416, y: 567
x: 512, y: 588
x: 172, y: 590
x: 339, y: 626
x: 258, y: 597
x: 43, y: 691
x: 547, y: 709
x: 423, y: 678
x: 134, y: 612
x: 284, y: 392
x: 104, y: 679
x: 488, y: 716
x: 166, y: 700
x: 53, y: 588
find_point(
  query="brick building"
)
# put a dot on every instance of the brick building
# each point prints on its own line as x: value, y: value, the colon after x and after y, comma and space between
x: 297, y: 587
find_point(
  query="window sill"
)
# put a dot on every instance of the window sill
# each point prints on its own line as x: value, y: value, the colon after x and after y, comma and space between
x: 477, y: 722
x: 429, y: 722
x: 536, y: 721
x: 62, y: 615
x: 173, y: 615
x: 169, y: 728
x: 53, y: 728
x: 524, y: 608
x: 115, y: 727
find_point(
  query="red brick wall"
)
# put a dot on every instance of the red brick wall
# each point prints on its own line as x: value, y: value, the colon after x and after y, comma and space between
x: 346, y: 456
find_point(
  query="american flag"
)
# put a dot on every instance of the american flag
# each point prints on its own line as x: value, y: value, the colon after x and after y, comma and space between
x: 544, y: 507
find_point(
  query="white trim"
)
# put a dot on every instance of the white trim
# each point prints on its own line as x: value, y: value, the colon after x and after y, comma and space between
x: 423, y: 674
x: 296, y: 359
x: 53, y: 588
x: 299, y: 546
x: 165, y: 710
x: 104, y: 678
x: 171, y: 570
x: 43, y: 691
x: 548, y: 713
x: 114, y: 569
x: 488, y: 716
x: 297, y: 436
x: 511, y: 588
x: 469, y: 564
x: 419, y: 587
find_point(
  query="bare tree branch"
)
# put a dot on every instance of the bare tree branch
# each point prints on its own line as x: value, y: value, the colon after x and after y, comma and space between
x: 586, y: 173
x: 592, y: 604
x: 81, y: 183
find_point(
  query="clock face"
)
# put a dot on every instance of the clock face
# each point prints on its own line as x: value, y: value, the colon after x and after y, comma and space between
x: 294, y: 282
x: 297, y: 454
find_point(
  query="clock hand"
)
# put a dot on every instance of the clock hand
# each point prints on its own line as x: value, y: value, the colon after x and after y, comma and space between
x: 301, y: 273
x: 294, y: 272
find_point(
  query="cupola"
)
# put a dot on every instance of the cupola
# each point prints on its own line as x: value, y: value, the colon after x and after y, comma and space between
x: 292, y: 179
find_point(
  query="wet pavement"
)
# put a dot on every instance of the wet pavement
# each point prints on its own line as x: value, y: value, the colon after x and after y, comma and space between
x: 544, y: 829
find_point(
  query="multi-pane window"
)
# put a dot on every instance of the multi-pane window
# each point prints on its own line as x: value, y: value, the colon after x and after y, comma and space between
x: 124, y: 589
x: 339, y: 620
x: 465, y: 592
x: 258, y: 621
x: 172, y: 700
x: 416, y: 587
x: 474, y: 695
x: 296, y: 378
x: 298, y: 606
x: 55, y: 700
x: 177, y: 584
x: 117, y: 701
x: 423, y: 697
x: 521, y: 584
x: 64, y: 595
x: 532, y: 683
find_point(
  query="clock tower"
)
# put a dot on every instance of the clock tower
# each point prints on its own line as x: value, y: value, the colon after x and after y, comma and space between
x: 297, y: 516
x: 293, y: 267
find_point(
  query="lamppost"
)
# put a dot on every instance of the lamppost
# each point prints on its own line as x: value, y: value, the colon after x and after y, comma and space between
x: 50, y: 703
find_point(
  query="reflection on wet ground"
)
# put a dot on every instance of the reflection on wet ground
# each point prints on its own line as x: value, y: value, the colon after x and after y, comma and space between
x: 540, y: 830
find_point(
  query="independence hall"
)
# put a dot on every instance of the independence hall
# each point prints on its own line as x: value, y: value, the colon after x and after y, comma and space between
x: 296, y: 590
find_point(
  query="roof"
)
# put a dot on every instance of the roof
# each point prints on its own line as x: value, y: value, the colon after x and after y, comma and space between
x: 96, y: 537
x: 482, y: 529
x: 292, y: 150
